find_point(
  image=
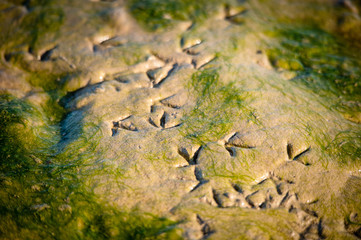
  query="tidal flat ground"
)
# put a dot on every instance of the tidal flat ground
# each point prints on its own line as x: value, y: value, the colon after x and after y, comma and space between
x: 180, y: 119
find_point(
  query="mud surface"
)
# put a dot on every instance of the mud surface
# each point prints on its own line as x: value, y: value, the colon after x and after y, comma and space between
x: 180, y: 120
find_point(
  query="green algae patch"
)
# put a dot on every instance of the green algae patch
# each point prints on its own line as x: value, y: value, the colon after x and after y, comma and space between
x: 131, y: 53
x: 217, y: 106
x: 14, y: 134
x: 43, y: 194
x: 24, y: 137
x: 47, y: 81
x: 53, y: 86
x: 346, y: 146
x: 91, y: 220
x: 237, y: 170
x: 320, y: 61
x: 341, y: 18
x: 155, y: 14
x: 136, y: 225
x: 29, y: 29
x: 325, y: 34
x: 82, y: 218
x: 41, y: 22
x: 158, y: 14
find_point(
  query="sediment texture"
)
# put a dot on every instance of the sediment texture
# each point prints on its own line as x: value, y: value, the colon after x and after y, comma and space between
x: 175, y: 119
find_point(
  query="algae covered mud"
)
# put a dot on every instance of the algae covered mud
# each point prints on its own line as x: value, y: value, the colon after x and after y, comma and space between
x: 152, y: 119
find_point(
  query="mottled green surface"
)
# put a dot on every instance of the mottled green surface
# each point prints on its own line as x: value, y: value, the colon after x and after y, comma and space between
x: 158, y: 14
x: 42, y: 195
x: 252, y: 132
